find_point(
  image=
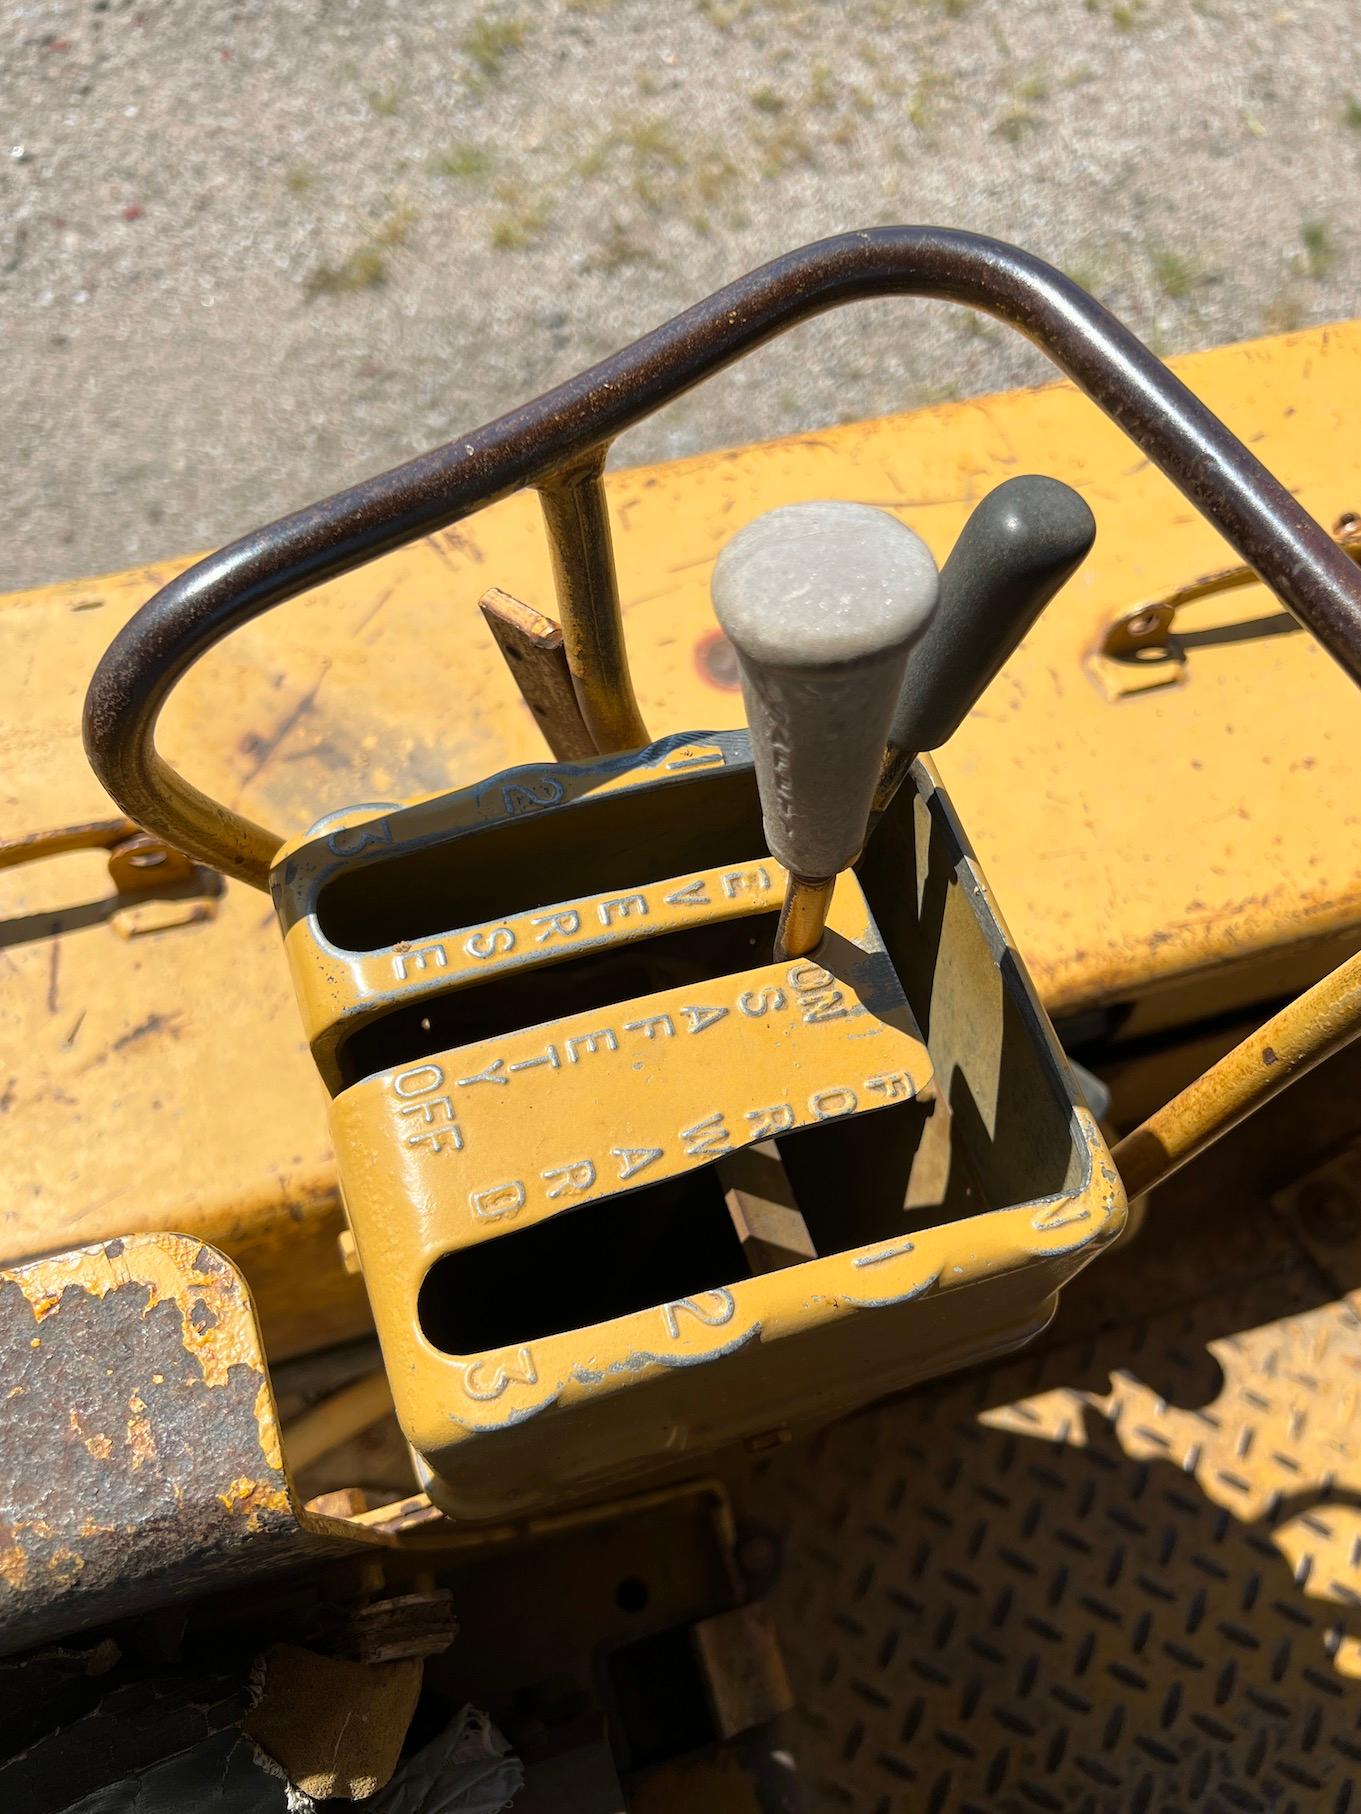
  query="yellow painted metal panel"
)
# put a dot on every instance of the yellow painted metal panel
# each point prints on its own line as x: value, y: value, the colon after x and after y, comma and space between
x: 1136, y: 845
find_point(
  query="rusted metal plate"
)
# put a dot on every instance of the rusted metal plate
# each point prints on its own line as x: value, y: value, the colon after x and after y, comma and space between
x: 140, y: 1458
x: 1168, y: 854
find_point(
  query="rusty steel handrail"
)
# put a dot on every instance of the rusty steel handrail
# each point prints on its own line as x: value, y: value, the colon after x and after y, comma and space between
x: 557, y: 444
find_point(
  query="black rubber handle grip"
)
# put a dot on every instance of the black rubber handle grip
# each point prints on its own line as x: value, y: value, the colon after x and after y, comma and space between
x: 1021, y: 543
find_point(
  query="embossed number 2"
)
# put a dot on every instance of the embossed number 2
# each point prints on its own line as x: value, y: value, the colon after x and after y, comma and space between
x: 714, y: 1317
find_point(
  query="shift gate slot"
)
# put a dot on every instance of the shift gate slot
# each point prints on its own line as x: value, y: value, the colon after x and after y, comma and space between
x: 598, y: 843
x: 620, y: 1097
x: 553, y: 982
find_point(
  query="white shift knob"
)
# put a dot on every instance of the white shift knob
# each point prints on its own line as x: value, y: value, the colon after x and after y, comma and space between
x: 822, y: 603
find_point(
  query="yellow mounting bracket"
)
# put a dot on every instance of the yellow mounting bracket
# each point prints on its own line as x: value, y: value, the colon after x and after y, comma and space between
x: 556, y: 1046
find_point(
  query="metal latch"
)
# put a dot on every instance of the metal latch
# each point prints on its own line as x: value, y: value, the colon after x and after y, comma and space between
x: 155, y: 886
x: 1140, y: 651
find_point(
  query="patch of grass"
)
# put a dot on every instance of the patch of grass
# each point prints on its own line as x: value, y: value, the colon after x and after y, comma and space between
x: 1351, y: 112
x: 930, y: 89
x: 1124, y: 14
x: 620, y: 246
x: 724, y: 14
x: 888, y: 84
x: 300, y: 179
x: 395, y: 229
x: 1283, y: 315
x: 783, y: 146
x: 651, y: 150
x: 1023, y: 115
x: 366, y: 267
x: 768, y: 100
x: 384, y: 101
x: 489, y: 41
x: 651, y: 140
x: 461, y: 161
x: 521, y: 221
x: 664, y: 177
x: 701, y: 190
x: 712, y: 178
x: 593, y: 161
x: 516, y: 232
x: 821, y: 86
x: 1320, y: 249
x: 1175, y: 274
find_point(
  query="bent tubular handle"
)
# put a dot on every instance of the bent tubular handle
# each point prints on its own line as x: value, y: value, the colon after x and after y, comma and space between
x: 556, y: 445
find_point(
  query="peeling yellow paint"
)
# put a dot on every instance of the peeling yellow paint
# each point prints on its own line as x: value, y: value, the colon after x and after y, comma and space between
x: 139, y: 1438
x: 267, y: 1422
x: 166, y: 1265
x: 97, y: 1444
x: 248, y: 1499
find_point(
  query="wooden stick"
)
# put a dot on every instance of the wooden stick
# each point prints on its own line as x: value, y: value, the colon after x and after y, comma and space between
x: 533, y: 647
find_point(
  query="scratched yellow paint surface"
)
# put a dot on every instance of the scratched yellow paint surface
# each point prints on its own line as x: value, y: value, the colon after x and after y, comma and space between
x: 164, y: 1081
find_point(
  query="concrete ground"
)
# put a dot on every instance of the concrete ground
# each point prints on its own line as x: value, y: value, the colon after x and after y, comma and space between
x: 251, y: 253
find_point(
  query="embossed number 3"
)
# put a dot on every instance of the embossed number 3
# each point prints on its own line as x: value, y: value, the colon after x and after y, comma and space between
x: 499, y: 1376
